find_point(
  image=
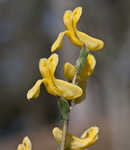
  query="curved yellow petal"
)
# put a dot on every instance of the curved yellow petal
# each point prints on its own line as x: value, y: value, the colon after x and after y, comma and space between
x: 73, y: 142
x: 67, y: 19
x: 21, y: 147
x: 47, y: 69
x: 90, y: 42
x: 77, y: 12
x: 88, y: 67
x: 27, y: 143
x: 44, y: 68
x: 82, y: 84
x: 70, y: 139
x: 53, y: 62
x: 91, y: 61
x: 51, y: 88
x: 73, y: 38
x: 86, y: 141
x: 58, y: 43
x: 69, y: 71
x: 57, y: 133
x: 91, y: 132
x: 35, y: 90
x: 68, y: 90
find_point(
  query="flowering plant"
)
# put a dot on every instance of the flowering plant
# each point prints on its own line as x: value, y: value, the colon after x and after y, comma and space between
x: 72, y: 91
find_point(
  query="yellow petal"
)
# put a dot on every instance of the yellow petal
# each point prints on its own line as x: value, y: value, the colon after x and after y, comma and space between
x: 35, y: 90
x: 90, y: 42
x: 73, y: 142
x: 92, y: 134
x: 44, y: 68
x: 69, y: 71
x: 58, y: 43
x: 67, y: 19
x: 82, y: 84
x: 70, y: 139
x: 51, y: 88
x: 88, y: 67
x: 68, y: 90
x: 53, y: 62
x: 27, y: 143
x: 73, y: 38
x: 21, y: 147
x: 91, y: 61
x: 76, y: 15
x: 57, y: 133
x: 85, y: 72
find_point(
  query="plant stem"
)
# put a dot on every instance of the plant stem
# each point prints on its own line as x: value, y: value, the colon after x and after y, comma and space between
x: 65, y: 127
x: 65, y: 124
x: 81, y: 62
x: 75, y: 77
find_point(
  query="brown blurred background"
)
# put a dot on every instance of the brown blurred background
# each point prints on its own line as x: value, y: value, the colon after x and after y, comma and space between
x: 27, y: 30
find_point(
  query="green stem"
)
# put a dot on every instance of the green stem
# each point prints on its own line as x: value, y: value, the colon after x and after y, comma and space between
x: 65, y: 127
x: 65, y: 124
x: 81, y: 61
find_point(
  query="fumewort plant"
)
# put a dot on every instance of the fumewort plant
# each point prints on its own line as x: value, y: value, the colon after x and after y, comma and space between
x: 72, y: 91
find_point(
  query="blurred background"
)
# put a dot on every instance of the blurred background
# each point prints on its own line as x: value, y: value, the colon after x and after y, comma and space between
x: 27, y: 31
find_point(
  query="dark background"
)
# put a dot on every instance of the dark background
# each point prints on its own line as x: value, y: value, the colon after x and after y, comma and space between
x: 27, y: 30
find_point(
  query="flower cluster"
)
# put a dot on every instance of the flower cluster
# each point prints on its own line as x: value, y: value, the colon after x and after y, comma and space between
x: 88, y: 138
x: 86, y: 71
x: 75, y: 143
x: 76, y: 37
x: 53, y: 86
x: 72, y: 90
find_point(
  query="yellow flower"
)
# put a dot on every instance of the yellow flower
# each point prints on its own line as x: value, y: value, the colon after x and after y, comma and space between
x: 76, y: 37
x: 88, y: 138
x: 85, y: 72
x: 53, y: 86
x: 83, y: 75
x: 26, y: 144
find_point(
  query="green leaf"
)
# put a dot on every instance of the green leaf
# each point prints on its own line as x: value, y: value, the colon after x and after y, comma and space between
x: 64, y: 108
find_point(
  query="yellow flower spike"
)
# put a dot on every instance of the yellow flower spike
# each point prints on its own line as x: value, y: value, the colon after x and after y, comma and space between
x: 26, y: 144
x: 88, y: 138
x: 53, y: 86
x: 76, y: 37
